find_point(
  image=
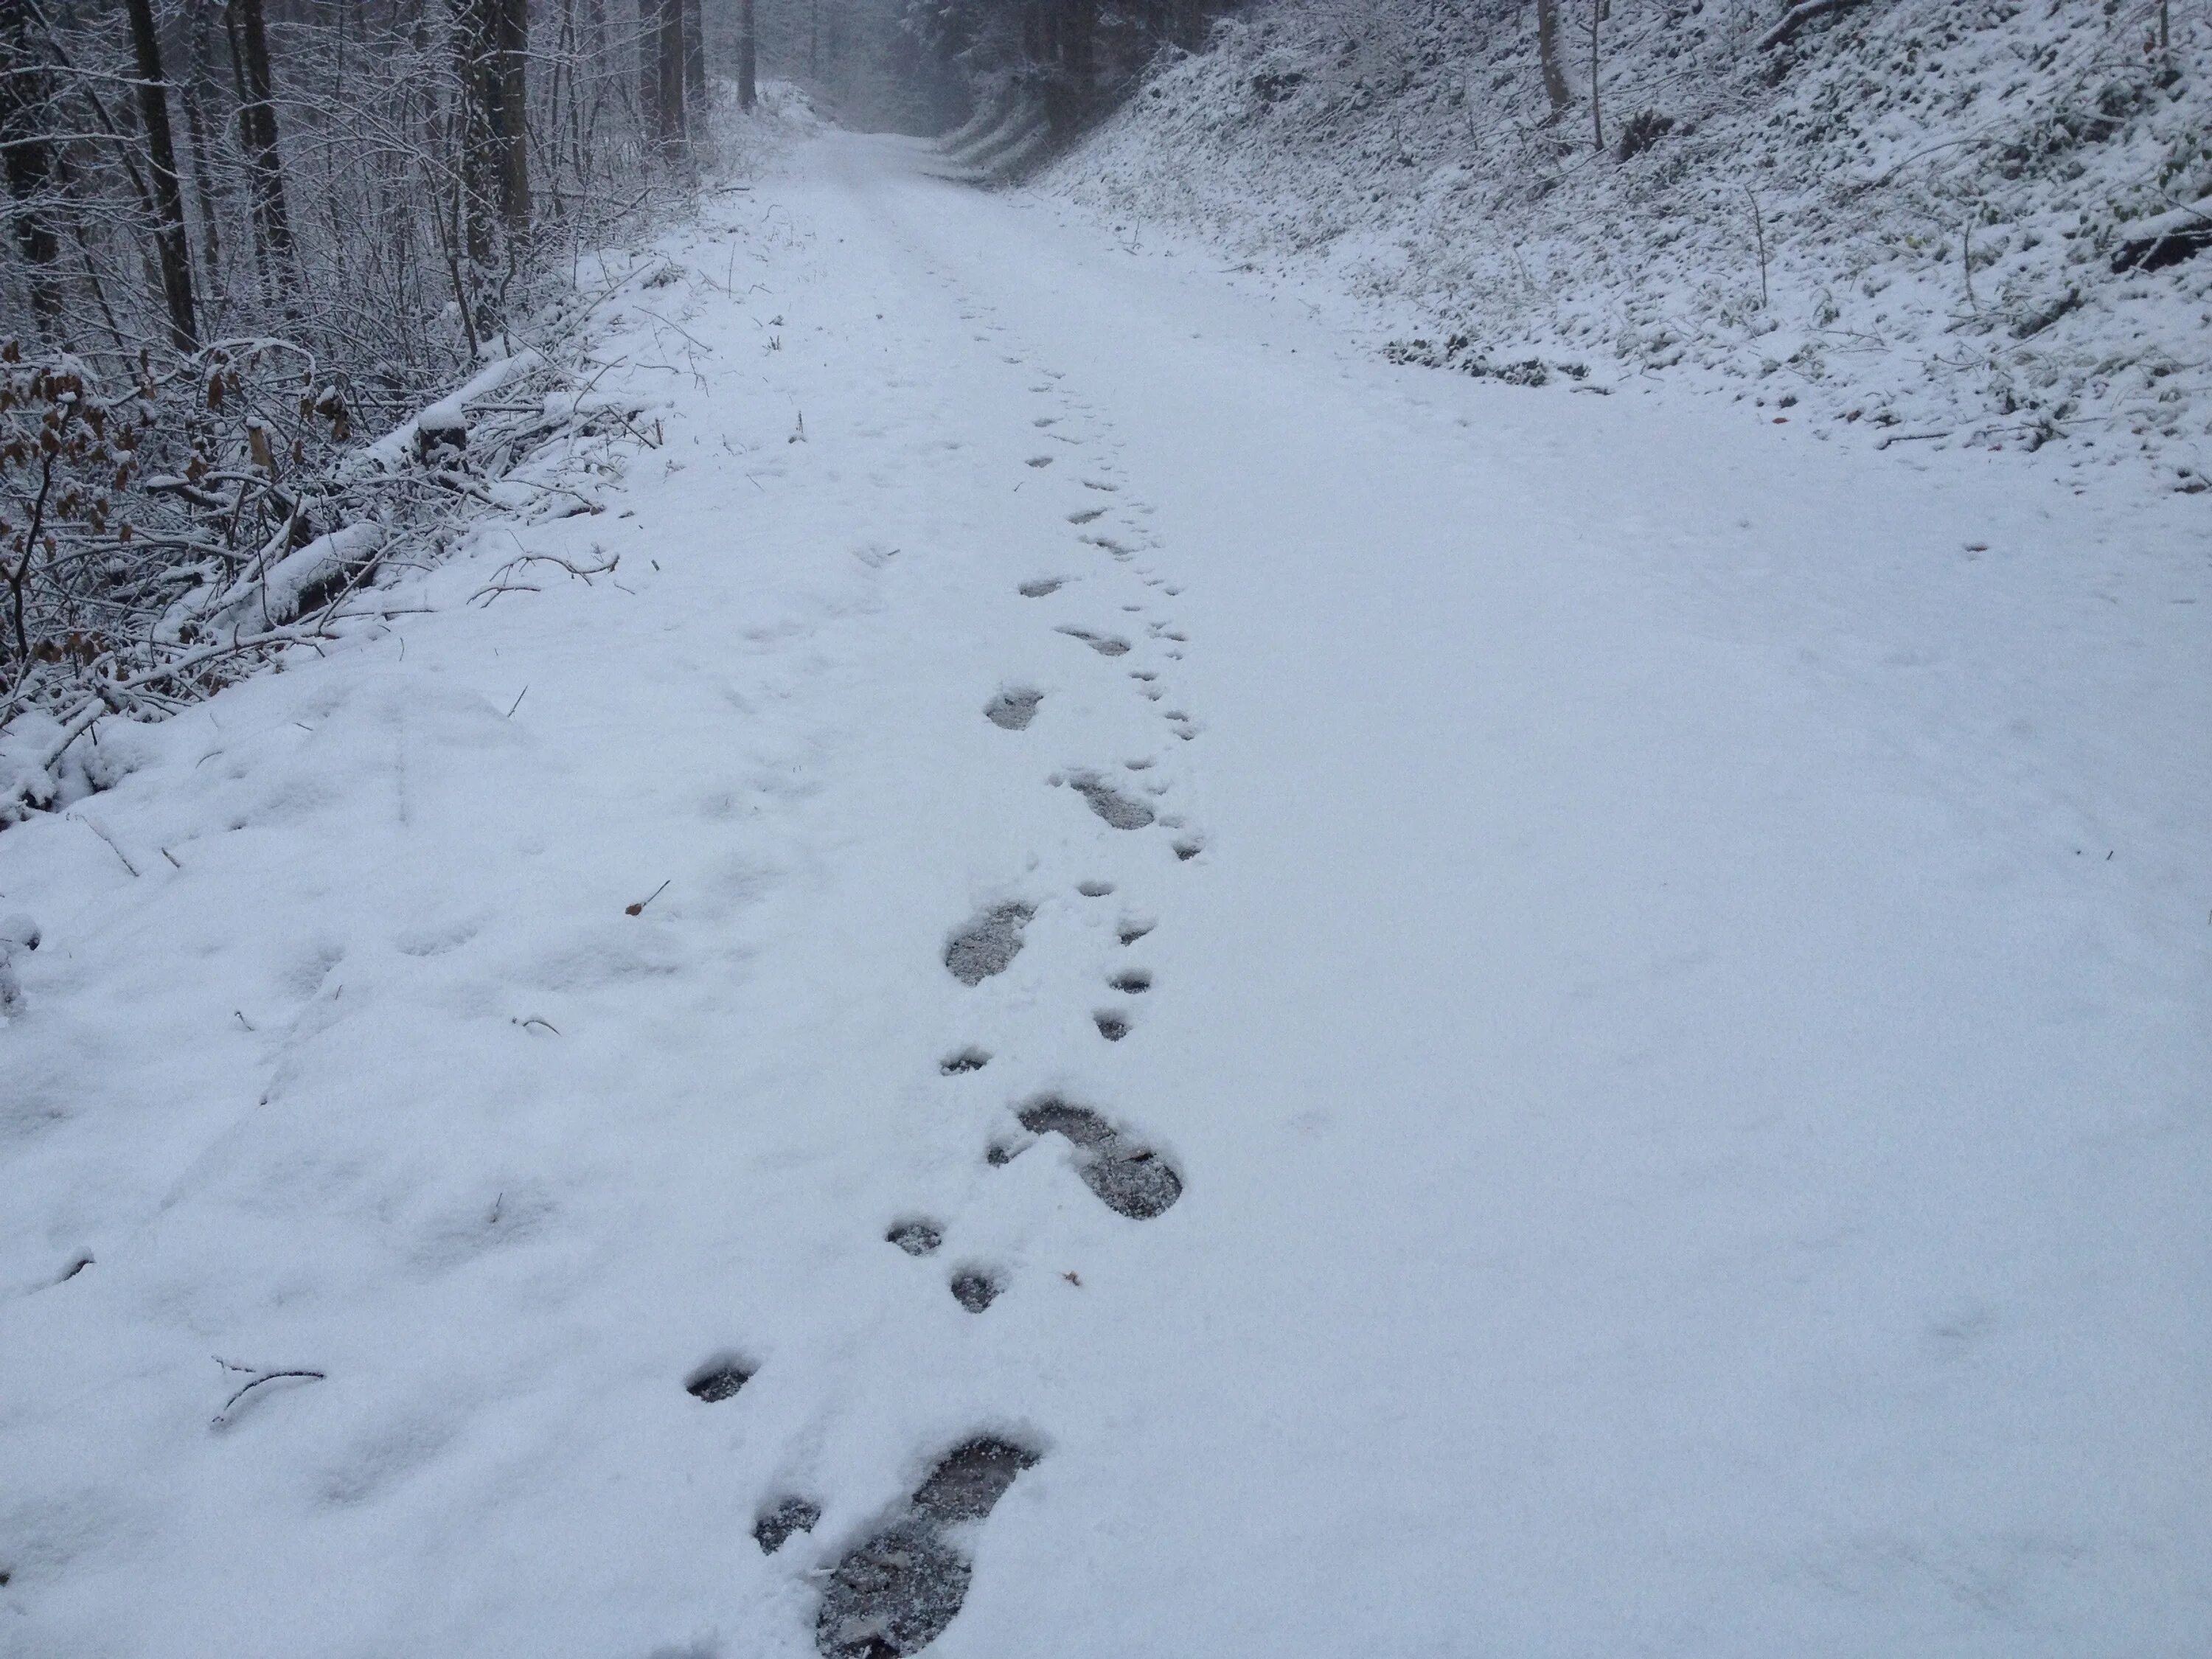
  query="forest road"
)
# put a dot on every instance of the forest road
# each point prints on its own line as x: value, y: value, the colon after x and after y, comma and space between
x: 1100, y: 977
x: 1684, y: 1113
x: 1687, y: 1031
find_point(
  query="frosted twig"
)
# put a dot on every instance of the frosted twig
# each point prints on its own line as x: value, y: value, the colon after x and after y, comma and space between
x: 255, y: 1377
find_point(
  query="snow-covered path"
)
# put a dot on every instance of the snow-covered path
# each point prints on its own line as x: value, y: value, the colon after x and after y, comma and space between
x: 1668, y: 963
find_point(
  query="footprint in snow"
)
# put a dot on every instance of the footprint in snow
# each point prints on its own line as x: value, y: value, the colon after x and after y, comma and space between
x: 991, y: 940
x: 976, y: 1288
x: 1112, y: 1025
x: 775, y: 1527
x: 968, y: 1059
x: 1086, y: 515
x: 1043, y: 586
x: 915, y: 1235
x: 1129, y: 1178
x: 896, y: 1592
x: 1014, y: 708
x: 719, y: 1379
x: 1040, y: 460
x: 1109, y: 803
x: 1104, y: 645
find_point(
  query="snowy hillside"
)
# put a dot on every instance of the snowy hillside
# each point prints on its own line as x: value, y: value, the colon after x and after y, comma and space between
x: 1905, y: 216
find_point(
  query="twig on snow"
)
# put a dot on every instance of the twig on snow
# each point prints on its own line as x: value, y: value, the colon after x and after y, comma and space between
x: 109, y: 839
x: 255, y: 1377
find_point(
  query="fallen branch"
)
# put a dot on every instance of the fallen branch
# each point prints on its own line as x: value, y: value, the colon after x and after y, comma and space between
x: 1797, y: 17
x: 255, y: 1378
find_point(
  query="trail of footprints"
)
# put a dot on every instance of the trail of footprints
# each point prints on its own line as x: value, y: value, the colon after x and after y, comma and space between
x: 896, y: 1590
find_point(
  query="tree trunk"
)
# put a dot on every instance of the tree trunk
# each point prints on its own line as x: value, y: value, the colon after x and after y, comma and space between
x: 1598, y: 115
x: 257, y: 129
x: 172, y: 251
x: 1082, y: 45
x: 205, y: 199
x: 30, y: 167
x: 475, y: 134
x: 506, y: 90
x: 648, y: 64
x: 694, y: 58
x: 748, y: 56
x: 670, y: 124
x: 1547, y: 50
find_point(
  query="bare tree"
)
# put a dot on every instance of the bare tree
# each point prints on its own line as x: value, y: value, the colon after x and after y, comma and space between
x: 507, y: 88
x: 670, y: 122
x: 694, y: 57
x: 1547, y: 52
x: 29, y: 166
x: 1598, y: 11
x: 257, y: 130
x: 172, y: 251
x: 748, y: 65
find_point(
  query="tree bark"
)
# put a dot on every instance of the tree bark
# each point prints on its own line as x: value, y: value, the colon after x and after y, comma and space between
x: 670, y: 123
x: 506, y: 90
x: 172, y: 251
x: 748, y: 56
x: 257, y: 130
x: 694, y: 58
x: 1547, y: 50
x: 1597, y: 113
x: 30, y: 167
x: 204, y: 198
x: 475, y: 134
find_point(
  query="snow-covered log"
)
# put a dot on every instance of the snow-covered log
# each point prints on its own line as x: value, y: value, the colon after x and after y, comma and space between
x: 1797, y: 17
x: 406, y: 441
x: 2166, y: 239
x: 295, y: 582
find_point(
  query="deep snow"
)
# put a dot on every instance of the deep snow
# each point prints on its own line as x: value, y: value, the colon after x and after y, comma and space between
x: 1664, y: 996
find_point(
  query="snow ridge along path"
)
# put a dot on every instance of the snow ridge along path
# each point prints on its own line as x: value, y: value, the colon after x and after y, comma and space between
x: 1297, y: 1009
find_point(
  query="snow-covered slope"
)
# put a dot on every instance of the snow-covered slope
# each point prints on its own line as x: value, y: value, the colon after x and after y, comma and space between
x: 1904, y: 217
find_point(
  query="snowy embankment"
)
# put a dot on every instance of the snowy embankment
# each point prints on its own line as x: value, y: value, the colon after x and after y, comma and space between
x: 1927, y: 221
x: 1096, y: 974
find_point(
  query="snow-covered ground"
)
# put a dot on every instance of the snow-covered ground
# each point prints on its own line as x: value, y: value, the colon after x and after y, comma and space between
x: 1659, y: 969
x: 1906, y: 222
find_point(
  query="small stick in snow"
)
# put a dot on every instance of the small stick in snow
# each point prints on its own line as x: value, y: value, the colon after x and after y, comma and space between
x: 239, y: 1015
x: 109, y: 839
x: 255, y: 1377
x: 638, y: 909
x: 517, y: 704
x: 533, y: 1020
